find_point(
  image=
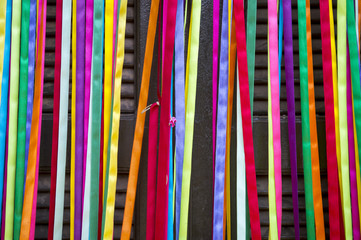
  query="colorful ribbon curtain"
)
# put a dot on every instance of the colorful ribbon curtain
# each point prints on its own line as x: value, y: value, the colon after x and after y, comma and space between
x: 97, y: 43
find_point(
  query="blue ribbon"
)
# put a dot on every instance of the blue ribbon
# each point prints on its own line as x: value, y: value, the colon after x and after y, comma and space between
x: 170, y: 187
x: 31, y: 64
x: 280, y: 36
x: 179, y: 108
x: 4, y: 96
x: 221, y: 129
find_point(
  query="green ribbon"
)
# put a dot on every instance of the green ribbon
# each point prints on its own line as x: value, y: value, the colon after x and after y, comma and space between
x: 97, y: 72
x: 356, y: 92
x: 306, y: 144
x: 13, y: 118
x: 23, y: 92
x: 251, y: 45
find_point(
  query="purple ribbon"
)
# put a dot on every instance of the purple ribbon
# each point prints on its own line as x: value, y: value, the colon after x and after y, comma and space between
x: 179, y: 109
x: 288, y: 51
x: 79, y: 119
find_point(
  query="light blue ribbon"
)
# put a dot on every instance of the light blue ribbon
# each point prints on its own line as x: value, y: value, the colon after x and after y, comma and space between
x: 221, y: 130
x: 280, y: 37
x: 4, y: 96
x: 170, y: 187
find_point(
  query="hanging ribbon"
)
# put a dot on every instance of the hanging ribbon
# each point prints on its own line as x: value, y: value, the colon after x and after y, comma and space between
x: 13, y: 117
x: 247, y: 120
x: 54, y: 149
x: 280, y: 37
x: 2, y: 38
x: 30, y: 97
x: 97, y: 76
x: 306, y: 145
x: 108, y: 59
x: 214, y: 74
x: 23, y: 91
x: 191, y: 87
x: 289, y: 74
x: 316, y: 179
x: 332, y: 175
x: 79, y: 134
x: 351, y: 148
x: 152, y: 170
x: 219, y: 181
x: 73, y: 122
x: 63, y: 121
x: 89, y: 12
x: 4, y: 106
x: 113, y: 158
x: 86, y: 210
x: 30, y: 195
x: 275, y: 96
x: 179, y: 107
x: 139, y: 126
x: 251, y: 45
x: 355, y: 78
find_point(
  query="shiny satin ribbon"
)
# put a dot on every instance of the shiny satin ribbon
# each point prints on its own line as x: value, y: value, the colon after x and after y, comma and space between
x: 13, y: 117
x: 4, y: 107
x: 30, y: 97
x: 2, y: 38
x: 221, y: 131
x: 306, y: 145
x: 342, y: 105
x: 97, y: 76
x: 247, y: 120
x: 273, y: 229
x: 241, y: 173
x: 164, y: 129
x: 79, y: 124
x: 289, y: 74
x: 337, y: 128
x: 351, y: 150
x: 63, y: 120
x: 332, y: 174
x: 73, y: 118
x: 280, y: 37
x: 170, y: 224
x: 139, y: 126
x: 179, y: 107
x: 89, y: 12
x: 231, y: 74
x: 23, y: 91
x: 152, y: 171
x: 316, y: 179
x: 113, y: 158
x: 215, y: 49
x: 191, y: 75
x: 275, y: 106
x: 86, y: 209
x: 30, y: 196
x: 108, y: 59
x: 357, y: 163
x: 251, y: 45
x: 54, y: 148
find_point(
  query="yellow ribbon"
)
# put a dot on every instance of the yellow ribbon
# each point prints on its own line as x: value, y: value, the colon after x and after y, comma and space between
x: 108, y: 64
x: 73, y: 93
x: 112, y: 181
